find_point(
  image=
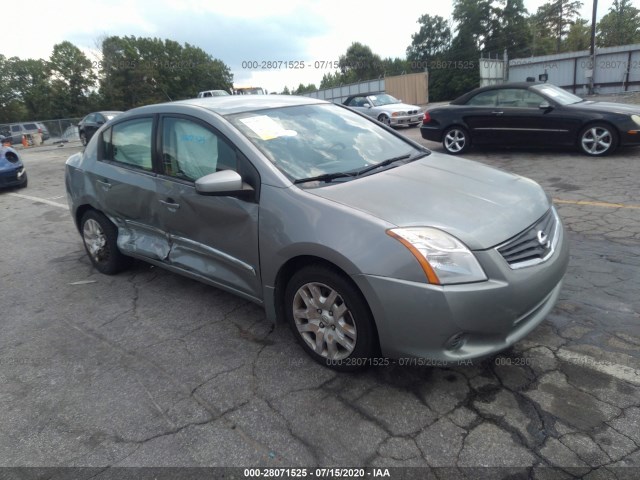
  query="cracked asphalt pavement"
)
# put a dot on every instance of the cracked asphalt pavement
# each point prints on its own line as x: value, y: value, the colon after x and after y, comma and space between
x: 148, y: 368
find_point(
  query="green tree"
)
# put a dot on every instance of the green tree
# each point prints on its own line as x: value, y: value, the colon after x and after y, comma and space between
x: 579, y: 37
x: 621, y: 26
x: 302, y: 89
x: 432, y: 39
x: 330, y: 80
x: 360, y: 63
x: 72, y: 77
x: 286, y: 91
x: 555, y: 17
x: 139, y: 71
x: 511, y: 29
x: 30, y: 82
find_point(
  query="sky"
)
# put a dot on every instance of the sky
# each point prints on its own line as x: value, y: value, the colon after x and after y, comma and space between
x: 308, y: 32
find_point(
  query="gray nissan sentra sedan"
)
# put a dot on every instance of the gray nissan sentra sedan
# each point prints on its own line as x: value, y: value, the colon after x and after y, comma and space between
x: 369, y: 245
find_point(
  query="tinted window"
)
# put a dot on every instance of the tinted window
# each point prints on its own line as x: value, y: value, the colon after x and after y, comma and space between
x: 30, y: 126
x: 16, y: 128
x: 131, y: 143
x: 518, y: 97
x: 484, y: 99
x: 358, y: 102
x: 191, y: 151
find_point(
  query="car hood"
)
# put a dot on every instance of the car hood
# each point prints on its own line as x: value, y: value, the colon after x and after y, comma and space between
x: 608, y: 107
x: 398, y: 107
x: 480, y: 205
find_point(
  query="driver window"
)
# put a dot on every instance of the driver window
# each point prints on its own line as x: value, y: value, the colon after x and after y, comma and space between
x: 484, y: 99
x: 191, y: 151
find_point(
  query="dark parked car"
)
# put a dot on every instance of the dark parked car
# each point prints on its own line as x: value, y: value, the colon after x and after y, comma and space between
x: 364, y: 241
x: 92, y: 122
x: 12, y: 172
x: 532, y: 114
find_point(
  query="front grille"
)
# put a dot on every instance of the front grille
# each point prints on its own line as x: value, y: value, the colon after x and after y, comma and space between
x: 534, y: 245
x: 413, y: 112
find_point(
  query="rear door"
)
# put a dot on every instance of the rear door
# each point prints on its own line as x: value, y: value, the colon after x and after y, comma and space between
x: 126, y: 187
x: 215, y: 237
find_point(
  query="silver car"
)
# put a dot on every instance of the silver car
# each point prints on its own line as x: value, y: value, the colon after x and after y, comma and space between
x: 386, y: 109
x: 370, y: 246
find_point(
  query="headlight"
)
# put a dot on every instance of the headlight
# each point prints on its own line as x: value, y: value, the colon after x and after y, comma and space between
x: 399, y: 114
x: 444, y: 259
x: 636, y: 118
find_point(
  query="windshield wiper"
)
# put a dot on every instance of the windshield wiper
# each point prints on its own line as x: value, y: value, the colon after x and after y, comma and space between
x: 389, y: 162
x: 325, y: 177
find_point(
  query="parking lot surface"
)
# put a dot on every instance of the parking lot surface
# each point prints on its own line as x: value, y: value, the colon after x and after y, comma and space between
x: 148, y: 368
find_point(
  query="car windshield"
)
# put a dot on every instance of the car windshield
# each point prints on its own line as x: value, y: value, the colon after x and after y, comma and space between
x: 382, y: 99
x: 321, y: 140
x: 558, y: 94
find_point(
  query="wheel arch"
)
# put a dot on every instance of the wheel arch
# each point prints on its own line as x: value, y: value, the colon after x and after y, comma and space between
x: 596, y: 121
x: 294, y: 264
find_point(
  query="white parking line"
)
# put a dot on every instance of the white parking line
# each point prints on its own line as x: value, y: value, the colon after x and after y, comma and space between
x: 621, y: 372
x: 41, y: 200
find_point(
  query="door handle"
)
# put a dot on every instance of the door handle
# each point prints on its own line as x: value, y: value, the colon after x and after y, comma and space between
x: 498, y: 113
x: 170, y: 204
x: 106, y: 186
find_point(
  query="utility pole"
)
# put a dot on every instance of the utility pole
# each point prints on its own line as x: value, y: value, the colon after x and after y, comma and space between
x: 592, y: 50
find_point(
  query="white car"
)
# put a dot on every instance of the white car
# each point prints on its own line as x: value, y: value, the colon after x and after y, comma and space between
x: 213, y: 93
x: 385, y: 108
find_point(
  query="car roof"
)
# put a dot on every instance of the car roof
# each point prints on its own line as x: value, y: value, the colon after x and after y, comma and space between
x: 463, y: 98
x: 227, y: 105
x: 366, y: 94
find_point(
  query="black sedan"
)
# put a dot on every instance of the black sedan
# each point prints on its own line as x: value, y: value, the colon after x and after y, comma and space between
x: 92, y: 122
x: 531, y: 114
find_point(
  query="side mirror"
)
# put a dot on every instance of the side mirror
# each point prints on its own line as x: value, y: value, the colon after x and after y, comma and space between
x: 223, y: 183
x: 545, y: 106
x: 367, y: 105
x: 100, y: 122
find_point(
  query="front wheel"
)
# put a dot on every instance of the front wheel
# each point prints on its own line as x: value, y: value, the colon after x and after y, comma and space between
x: 598, y: 139
x: 384, y: 119
x: 456, y: 140
x: 100, y: 241
x: 330, y: 318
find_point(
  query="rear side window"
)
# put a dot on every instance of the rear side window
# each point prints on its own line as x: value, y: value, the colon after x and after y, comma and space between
x: 484, y: 99
x: 129, y: 143
x: 30, y: 126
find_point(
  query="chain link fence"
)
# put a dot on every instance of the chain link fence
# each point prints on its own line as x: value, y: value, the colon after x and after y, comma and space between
x: 63, y: 130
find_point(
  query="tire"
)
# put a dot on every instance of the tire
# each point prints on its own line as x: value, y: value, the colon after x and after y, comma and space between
x: 83, y: 139
x: 598, y: 140
x: 99, y: 236
x: 382, y: 118
x: 25, y: 183
x: 337, y: 331
x: 456, y: 140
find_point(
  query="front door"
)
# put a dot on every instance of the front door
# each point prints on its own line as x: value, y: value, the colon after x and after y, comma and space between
x: 215, y: 237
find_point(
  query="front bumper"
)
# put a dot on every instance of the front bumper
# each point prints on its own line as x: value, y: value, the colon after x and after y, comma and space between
x: 463, y: 322
x: 13, y: 178
x: 406, y: 119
